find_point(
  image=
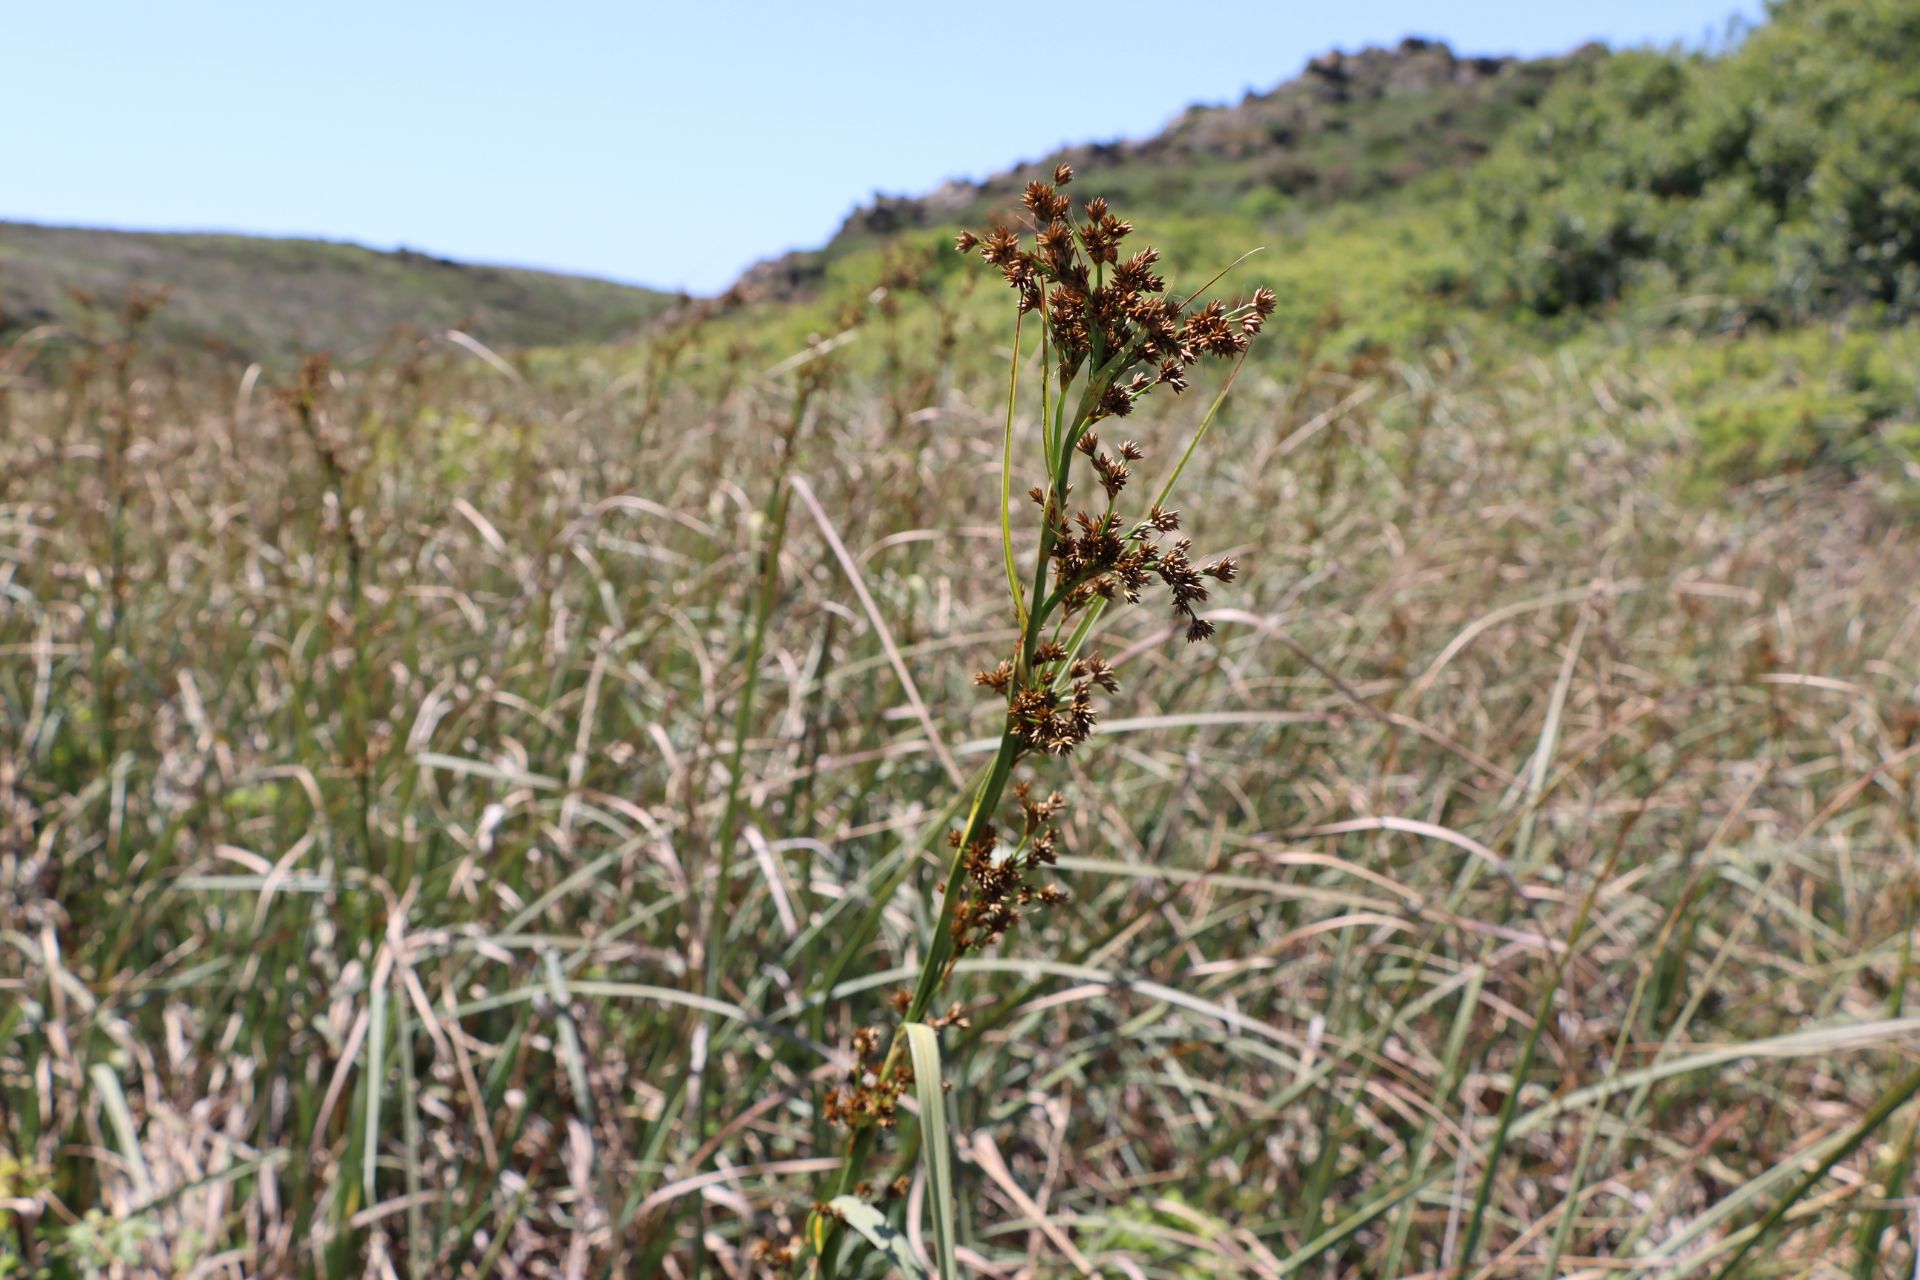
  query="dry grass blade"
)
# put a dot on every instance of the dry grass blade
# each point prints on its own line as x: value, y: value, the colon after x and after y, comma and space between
x: 880, y: 629
x: 987, y: 1156
x: 494, y: 359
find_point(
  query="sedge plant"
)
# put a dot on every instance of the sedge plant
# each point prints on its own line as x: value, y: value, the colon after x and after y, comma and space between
x: 1110, y: 336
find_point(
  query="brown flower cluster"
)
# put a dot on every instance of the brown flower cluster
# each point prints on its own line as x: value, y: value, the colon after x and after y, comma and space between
x: 1046, y: 712
x: 868, y: 1097
x: 1093, y: 558
x: 772, y: 1257
x: 1097, y: 557
x: 1105, y: 311
x: 999, y: 879
x: 895, y: 1190
x: 1108, y: 315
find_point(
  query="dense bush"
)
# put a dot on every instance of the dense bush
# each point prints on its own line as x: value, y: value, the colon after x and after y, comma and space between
x: 1782, y: 177
x: 1833, y: 399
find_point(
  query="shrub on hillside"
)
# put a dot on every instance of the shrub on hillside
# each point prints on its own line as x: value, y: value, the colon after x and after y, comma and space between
x: 1809, y: 398
x: 1784, y: 175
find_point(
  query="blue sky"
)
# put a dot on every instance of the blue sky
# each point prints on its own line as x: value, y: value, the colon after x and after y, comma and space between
x: 668, y: 144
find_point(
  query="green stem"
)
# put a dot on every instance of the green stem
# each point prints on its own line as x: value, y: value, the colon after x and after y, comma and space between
x: 776, y: 518
x: 1889, y: 1102
x: 824, y: 1233
x: 728, y: 834
x: 1006, y: 479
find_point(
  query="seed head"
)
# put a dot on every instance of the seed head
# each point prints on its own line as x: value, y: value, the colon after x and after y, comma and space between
x: 1045, y: 204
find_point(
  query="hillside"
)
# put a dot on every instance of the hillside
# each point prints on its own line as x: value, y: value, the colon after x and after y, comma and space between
x: 1348, y: 127
x: 1777, y: 181
x: 265, y: 297
x: 1744, y: 219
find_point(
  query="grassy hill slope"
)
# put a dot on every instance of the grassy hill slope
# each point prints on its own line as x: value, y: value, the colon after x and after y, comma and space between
x: 1348, y: 128
x: 1744, y: 218
x: 264, y: 297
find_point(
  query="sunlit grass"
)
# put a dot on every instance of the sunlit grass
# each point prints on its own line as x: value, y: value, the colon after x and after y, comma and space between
x: 363, y: 850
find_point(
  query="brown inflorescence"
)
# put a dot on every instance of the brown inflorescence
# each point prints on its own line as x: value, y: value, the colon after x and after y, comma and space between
x: 1105, y: 309
x: 1108, y: 317
x: 1113, y: 336
x: 1000, y: 883
x: 870, y: 1093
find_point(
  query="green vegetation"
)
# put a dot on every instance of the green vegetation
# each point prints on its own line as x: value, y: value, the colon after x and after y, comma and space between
x: 1350, y: 128
x: 1826, y: 398
x: 1783, y: 177
x: 470, y: 817
x: 269, y: 299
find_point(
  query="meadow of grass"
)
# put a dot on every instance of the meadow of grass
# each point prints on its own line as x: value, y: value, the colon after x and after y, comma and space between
x: 470, y: 812
x: 1520, y: 881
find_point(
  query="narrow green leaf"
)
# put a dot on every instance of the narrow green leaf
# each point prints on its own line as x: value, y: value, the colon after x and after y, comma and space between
x: 120, y: 1116
x: 376, y: 1082
x: 935, y: 1144
x: 1871, y: 1236
x: 1006, y: 480
x: 567, y: 1042
x: 1889, y: 1102
x: 419, y: 1255
x: 873, y: 1227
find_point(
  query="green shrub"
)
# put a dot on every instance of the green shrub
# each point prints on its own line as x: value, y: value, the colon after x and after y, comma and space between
x: 1806, y: 399
x: 1784, y: 175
